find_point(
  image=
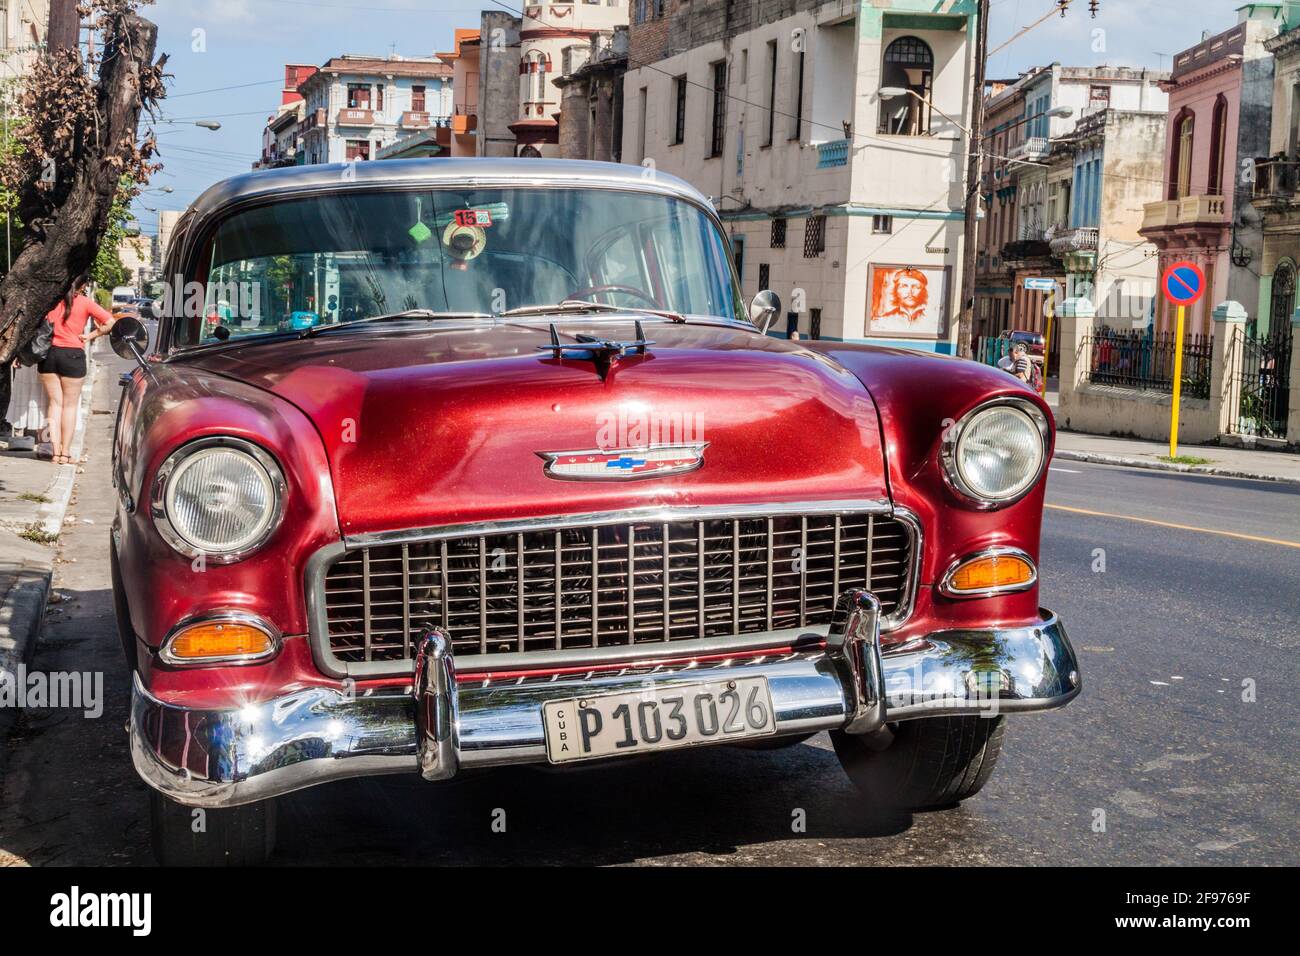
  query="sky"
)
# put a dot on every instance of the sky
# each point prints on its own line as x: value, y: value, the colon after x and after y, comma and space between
x: 227, y: 59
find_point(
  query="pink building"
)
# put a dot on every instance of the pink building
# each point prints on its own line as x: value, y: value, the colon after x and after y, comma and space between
x: 1220, y: 95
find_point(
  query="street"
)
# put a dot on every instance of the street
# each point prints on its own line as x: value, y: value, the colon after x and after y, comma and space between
x: 1180, y: 750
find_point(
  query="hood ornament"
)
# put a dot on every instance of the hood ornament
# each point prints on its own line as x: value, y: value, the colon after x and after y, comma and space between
x: 623, y: 464
x: 602, y: 353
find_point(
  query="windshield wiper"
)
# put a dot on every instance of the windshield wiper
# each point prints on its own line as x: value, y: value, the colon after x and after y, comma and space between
x: 392, y: 316
x: 582, y: 305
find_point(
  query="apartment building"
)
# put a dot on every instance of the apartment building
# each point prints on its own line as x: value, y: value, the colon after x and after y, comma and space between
x: 1220, y: 97
x: 520, y: 60
x: 357, y: 105
x: 1063, y: 188
x: 591, y: 98
x: 23, y: 31
x: 283, y: 127
x: 832, y: 140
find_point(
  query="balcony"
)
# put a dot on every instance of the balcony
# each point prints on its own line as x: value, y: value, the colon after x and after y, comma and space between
x: 1021, y: 250
x: 415, y: 119
x: 464, y: 119
x: 1275, y: 180
x: 1082, y: 239
x: 356, y: 117
x: 1188, y: 211
x: 1033, y: 148
x: 834, y: 153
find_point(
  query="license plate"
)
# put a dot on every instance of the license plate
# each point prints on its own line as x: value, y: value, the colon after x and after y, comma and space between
x: 682, y: 715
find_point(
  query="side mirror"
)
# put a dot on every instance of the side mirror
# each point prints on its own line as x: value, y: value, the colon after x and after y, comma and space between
x: 764, y: 308
x: 129, y: 339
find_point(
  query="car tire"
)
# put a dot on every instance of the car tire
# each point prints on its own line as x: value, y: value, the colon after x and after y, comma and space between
x: 931, y: 762
x: 229, y: 836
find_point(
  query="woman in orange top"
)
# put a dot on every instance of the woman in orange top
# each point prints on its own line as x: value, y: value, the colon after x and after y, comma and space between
x: 63, y: 370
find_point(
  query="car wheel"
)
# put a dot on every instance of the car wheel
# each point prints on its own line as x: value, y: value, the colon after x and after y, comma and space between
x: 226, y: 836
x: 931, y: 762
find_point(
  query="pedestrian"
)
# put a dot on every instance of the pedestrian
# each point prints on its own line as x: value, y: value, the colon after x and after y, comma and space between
x: 1018, y: 363
x: 63, y: 370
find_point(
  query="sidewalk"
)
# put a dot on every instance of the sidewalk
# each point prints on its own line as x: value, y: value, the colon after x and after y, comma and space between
x: 1224, y: 462
x: 34, y: 498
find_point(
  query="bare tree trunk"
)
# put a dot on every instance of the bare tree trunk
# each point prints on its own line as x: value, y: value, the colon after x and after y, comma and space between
x: 63, y: 248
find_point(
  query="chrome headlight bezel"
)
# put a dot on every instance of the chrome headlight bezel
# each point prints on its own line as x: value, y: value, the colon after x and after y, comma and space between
x: 166, y: 473
x: 949, y: 448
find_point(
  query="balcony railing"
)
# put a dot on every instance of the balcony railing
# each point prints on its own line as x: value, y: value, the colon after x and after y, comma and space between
x: 1083, y: 239
x: 1022, y: 249
x: 1035, y: 147
x: 834, y: 153
x: 1275, y: 178
x: 415, y: 119
x: 1182, y: 212
x: 356, y: 117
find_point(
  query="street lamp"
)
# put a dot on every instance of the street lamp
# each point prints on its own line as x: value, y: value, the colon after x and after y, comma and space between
x: 206, y: 124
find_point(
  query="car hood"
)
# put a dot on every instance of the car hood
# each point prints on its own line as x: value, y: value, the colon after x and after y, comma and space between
x: 443, y: 425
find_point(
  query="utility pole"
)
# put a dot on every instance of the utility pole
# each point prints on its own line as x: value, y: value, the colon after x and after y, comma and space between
x: 974, y: 166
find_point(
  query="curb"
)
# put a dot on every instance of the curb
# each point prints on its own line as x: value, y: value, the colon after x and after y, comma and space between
x: 22, y: 611
x: 1100, y: 458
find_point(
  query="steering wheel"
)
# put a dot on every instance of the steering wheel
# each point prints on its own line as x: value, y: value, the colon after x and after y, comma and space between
x: 598, y: 289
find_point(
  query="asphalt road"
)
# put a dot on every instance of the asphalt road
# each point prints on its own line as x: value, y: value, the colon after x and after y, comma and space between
x: 1183, y: 743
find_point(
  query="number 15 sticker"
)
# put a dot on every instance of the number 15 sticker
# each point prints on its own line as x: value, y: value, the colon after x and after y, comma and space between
x: 473, y: 217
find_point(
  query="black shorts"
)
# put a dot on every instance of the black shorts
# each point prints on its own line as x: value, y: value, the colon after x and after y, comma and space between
x: 69, y: 363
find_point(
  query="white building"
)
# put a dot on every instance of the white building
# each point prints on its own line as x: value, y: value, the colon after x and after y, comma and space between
x: 355, y: 105
x: 23, y: 25
x: 846, y: 202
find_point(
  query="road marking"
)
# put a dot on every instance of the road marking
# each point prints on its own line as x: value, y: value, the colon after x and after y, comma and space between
x: 1180, y: 527
x: 1068, y: 471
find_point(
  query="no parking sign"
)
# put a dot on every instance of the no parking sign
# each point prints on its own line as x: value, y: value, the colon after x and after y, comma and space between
x: 1183, y: 284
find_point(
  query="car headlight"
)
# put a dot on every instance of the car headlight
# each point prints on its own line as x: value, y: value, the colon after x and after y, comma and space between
x: 996, y: 453
x: 218, y: 497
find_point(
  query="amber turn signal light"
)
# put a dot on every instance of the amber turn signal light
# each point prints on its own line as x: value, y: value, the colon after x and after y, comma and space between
x: 991, y: 572
x: 225, y: 641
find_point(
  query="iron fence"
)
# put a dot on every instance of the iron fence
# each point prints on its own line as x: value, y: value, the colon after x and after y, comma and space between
x: 1143, y: 359
x: 1263, y: 386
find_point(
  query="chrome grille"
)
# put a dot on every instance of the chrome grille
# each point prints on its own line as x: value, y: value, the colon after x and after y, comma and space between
x: 610, y: 585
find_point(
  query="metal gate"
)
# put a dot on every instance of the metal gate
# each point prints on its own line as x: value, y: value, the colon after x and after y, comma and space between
x: 1263, y: 383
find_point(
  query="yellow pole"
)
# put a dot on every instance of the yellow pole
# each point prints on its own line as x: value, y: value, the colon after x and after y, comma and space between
x: 1178, y: 384
x: 1047, y: 343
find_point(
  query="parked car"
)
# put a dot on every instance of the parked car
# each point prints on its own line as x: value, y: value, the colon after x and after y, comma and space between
x: 550, y: 495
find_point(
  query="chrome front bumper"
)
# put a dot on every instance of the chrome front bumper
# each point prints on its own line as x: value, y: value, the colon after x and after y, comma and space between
x: 215, y: 758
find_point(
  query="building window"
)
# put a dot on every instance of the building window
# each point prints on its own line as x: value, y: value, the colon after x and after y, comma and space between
x: 882, y: 225
x: 641, y: 9
x: 379, y: 97
x: 738, y: 256
x: 815, y: 324
x: 358, y: 96
x: 792, y: 325
x: 1180, y: 180
x: 357, y: 149
x: 814, y: 237
x: 909, y: 65
x: 1283, y: 291
x: 417, y: 99
x: 1218, y: 146
x: 719, y: 108
x: 771, y: 93
x: 679, y: 99
x: 778, y: 233
x: 798, y: 97
x: 764, y: 276
x: 1098, y: 97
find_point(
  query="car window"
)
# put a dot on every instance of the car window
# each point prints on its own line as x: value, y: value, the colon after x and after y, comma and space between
x: 297, y: 264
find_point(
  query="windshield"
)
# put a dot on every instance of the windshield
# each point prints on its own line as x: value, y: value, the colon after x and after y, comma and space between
x: 300, y: 264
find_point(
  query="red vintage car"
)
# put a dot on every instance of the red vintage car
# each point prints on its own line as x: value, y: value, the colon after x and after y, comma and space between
x: 538, y: 488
